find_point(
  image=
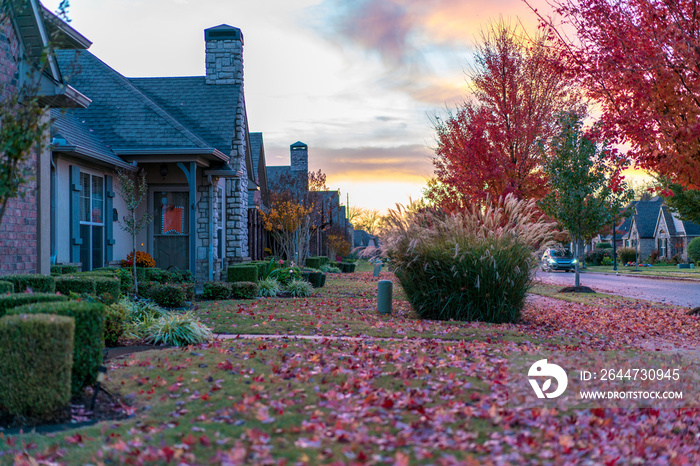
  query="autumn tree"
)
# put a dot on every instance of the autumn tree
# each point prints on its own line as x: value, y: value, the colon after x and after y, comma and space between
x: 640, y: 60
x: 489, y: 144
x: 684, y: 201
x: 580, y: 197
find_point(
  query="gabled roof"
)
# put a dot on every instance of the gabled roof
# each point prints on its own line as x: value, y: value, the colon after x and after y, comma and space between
x: 647, y: 214
x: 127, y: 120
x: 665, y: 214
x: 208, y: 110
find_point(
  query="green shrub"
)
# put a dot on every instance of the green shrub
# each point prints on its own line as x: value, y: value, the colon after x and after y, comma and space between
x: 178, y: 330
x: 169, y: 295
x: 65, y: 284
x: 327, y: 268
x: 35, y: 282
x: 316, y: 279
x: 157, y: 275
x: 694, y: 250
x: 314, y: 262
x: 244, y: 290
x: 595, y: 257
x: 6, y: 287
x: 20, y: 299
x: 242, y: 273
x: 627, y: 255
x: 323, y: 280
x: 347, y: 267
x: 146, y: 289
x: 181, y: 276
x: 216, y: 290
x: 63, y: 269
x: 467, y: 266
x: 107, y: 289
x: 606, y: 261
x: 268, y: 287
x: 36, y: 358
x: 603, y: 246
x: 189, y: 290
x: 115, y: 323
x: 89, y: 336
x: 125, y: 277
x: 286, y: 274
x: 299, y: 288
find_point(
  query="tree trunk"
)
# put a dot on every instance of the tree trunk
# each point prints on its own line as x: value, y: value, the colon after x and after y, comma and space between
x: 133, y: 255
x: 577, y: 280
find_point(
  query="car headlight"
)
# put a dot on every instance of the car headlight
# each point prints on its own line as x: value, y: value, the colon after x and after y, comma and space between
x: 552, y: 261
x: 574, y: 261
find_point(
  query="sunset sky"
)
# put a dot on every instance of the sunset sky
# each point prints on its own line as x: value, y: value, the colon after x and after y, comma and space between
x: 356, y: 80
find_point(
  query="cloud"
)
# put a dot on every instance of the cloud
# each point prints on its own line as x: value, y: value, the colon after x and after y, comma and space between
x: 409, y: 161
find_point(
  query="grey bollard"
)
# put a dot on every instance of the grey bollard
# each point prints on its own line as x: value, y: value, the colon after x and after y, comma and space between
x: 384, y: 290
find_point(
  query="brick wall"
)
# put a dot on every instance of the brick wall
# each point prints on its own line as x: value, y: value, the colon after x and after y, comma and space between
x: 18, y: 230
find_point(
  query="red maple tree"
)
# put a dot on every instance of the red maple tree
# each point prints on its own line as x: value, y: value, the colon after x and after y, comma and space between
x: 640, y: 59
x: 491, y: 144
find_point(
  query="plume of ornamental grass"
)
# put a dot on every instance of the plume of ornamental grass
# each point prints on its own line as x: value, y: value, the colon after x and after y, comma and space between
x: 472, y: 265
x: 178, y: 330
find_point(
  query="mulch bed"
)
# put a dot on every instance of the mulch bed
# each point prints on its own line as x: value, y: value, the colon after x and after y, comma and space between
x: 576, y: 289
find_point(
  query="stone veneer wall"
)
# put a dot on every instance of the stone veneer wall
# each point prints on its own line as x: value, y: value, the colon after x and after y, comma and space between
x: 18, y: 231
x: 224, y: 61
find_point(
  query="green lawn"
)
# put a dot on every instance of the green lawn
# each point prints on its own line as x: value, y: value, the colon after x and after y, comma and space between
x: 655, y: 270
x: 437, y: 398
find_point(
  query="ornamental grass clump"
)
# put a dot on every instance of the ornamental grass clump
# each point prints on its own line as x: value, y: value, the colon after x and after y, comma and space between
x: 469, y: 266
x: 268, y: 287
x: 299, y: 288
x: 178, y: 330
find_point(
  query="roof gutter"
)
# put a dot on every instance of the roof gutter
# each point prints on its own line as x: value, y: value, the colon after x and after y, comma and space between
x: 87, y: 154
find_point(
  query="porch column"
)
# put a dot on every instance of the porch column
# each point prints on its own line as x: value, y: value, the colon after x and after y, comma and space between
x: 191, y: 176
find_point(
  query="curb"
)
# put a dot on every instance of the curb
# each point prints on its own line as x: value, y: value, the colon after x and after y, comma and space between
x: 651, y: 277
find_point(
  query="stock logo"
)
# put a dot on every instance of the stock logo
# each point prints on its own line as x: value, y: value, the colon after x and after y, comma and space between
x: 542, y: 368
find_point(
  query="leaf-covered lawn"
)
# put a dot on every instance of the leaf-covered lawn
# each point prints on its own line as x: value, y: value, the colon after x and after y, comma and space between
x: 427, y: 400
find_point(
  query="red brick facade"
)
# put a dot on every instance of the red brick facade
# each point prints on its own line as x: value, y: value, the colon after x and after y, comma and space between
x: 18, y: 230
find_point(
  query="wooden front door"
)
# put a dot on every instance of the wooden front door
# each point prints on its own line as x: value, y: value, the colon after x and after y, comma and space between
x: 172, y: 235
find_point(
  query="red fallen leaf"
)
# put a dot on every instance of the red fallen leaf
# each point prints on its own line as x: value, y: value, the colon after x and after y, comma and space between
x: 205, y: 397
x: 189, y: 440
x: 225, y: 365
x: 76, y: 439
x: 204, y: 441
x: 598, y: 412
x: 388, y: 403
x: 174, y: 387
x: 169, y: 453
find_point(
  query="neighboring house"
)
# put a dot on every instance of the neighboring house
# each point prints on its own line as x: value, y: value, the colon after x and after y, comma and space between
x: 330, y: 217
x: 25, y: 35
x: 294, y: 177
x: 258, y: 199
x: 673, y: 235
x: 642, y: 227
x: 362, y: 239
x: 191, y: 136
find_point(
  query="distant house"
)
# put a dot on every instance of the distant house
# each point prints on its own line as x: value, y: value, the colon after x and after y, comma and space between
x: 673, y: 235
x: 362, y: 239
x: 26, y: 231
x: 641, y: 234
x: 258, y: 198
x: 191, y: 136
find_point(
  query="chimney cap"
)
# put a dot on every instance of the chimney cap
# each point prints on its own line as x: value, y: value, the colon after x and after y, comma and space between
x: 299, y: 146
x: 223, y: 32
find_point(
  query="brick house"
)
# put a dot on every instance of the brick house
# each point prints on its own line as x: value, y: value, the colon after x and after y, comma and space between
x: 642, y: 227
x: 27, y: 30
x: 191, y: 136
x: 672, y: 235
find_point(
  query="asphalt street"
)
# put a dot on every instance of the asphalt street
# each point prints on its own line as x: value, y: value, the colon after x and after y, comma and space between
x: 679, y: 292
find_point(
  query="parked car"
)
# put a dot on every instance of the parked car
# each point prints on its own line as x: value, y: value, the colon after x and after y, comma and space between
x: 557, y: 259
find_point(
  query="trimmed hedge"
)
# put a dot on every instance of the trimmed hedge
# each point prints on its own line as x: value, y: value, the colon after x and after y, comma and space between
x: 216, y: 290
x: 65, y: 284
x: 603, y: 246
x: 108, y: 289
x: 694, y: 250
x: 89, y: 336
x: 36, y: 359
x: 124, y: 275
x: 316, y: 279
x: 169, y: 295
x: 347, y: 267
x: 157, y: 275
x: 316, y: 262
x: 596, y: 256
x: 244, y: 290
x: 6, y: 287
x: 21, y: 299
x: 36, y: 282
x: 63, y: 269
x: 242, y: 273
x: 115, y: 324
x: 146, y: 289
x: 627, y: 255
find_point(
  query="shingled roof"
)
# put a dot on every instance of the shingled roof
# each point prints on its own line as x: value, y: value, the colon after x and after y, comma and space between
x: 646, y: 216
x: 125, y: 117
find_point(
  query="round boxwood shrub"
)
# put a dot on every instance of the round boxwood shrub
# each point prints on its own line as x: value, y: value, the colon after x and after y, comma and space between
x: 6, y: 287
x: 89, y: 336
x: 157, y: 275
x: 169, y: 295
x: 35, y: 282
x: 216, y: 290
x: 20, y: 299
x: 244, y: 290
x: 627, y: 255
x: 603, y: 246
x: 36, y: 358
x: 694, y: 250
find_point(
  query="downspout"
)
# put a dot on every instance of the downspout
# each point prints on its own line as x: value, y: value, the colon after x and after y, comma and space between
x: 211, y: 229
x: 54, y: 189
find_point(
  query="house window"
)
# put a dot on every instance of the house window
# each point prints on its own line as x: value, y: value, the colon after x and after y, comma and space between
x: 661, y: 242
x: 92, y: 221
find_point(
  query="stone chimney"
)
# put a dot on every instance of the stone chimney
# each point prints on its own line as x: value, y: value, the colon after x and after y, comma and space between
x: 224, y: 51
x: 299, y: 156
